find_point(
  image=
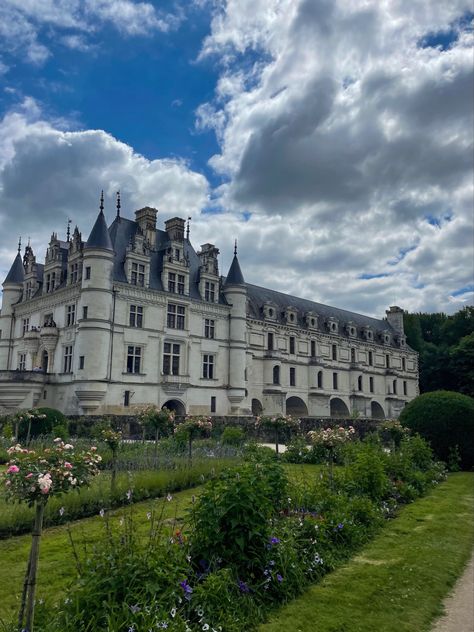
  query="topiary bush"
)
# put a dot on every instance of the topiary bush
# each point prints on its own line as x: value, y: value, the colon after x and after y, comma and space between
x: 446, y: 420
x: 47, y: 419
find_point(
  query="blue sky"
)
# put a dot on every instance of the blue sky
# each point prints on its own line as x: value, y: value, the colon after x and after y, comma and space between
x: 333, y: 138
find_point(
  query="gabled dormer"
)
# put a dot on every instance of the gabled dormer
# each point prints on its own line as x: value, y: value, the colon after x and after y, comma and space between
x: 269, y: 311
x: 76, y: 246
x: 368, y: 333
x: 386, y: 337
x: 55, y: 265
x: 31, y: 282
x: 351, y: 329
x: 291, y: 315
x: 175, y: 272
x: 209, y: 273
x: 332, y: 324
x: 311, y: 320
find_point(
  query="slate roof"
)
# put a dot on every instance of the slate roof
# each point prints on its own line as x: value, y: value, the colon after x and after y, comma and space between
x: 17, y: 272
x: 235, y: 276
x: 99, y: 237
x: 258, y: 296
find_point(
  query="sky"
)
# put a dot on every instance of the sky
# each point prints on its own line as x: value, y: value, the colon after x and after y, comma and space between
x: 332, y: 138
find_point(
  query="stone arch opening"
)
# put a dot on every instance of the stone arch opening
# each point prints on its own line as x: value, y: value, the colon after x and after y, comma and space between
x: 175, y: 405
x: 296, y: 407
x: 338, y: 408
x: 257, y: 407
x: 376, y: 411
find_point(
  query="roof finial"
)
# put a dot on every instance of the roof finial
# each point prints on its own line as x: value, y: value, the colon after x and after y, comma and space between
x: 102, y: 200
x: 19, y: 245
x: 187, y: 228
x: 29, y: 242
x: 68, y: 231
x: 235, y: 248
x: 118, y: 204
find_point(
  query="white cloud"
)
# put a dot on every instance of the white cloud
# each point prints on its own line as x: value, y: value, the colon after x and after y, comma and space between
x: 49, y: 174
x: 349, y: 142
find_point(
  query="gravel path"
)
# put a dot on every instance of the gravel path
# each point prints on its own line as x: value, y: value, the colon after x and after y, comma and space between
x: 459, y: 606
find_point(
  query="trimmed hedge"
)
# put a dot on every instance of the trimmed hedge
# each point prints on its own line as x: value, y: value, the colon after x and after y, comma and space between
x: 446, y: 420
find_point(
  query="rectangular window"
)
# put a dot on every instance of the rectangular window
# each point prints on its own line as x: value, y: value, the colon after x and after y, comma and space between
x: 176, y: 254
x: 25, y: 324
x: 387, y: 361
x: 313, y: 348
x: 136, y: 316
x: 85, y: 311
x: 270, y: 342
x: 126, y: 398
x: 67, y: 359
x: 292, y: 344
x: 334, y: 352
x: 209, y: 291
x: 134, y: 359
x: 176, y: 316
x: 70, y: 314
x: 334, y: 381
x: 353, y: 355
x: 371, y: 358
x: 292, y: 376
x: 404, y: 364
x: 213, y: 405
x: 74, y: 272
x: 180, y: 283
x: 405, y: 390
x: 171, y: 354
x: 209, y: 328
x: 371, y: 384
x: 88, y: 272
x: 53, y: 281
x: 22, y: 362
x: 81, y: 362
x: 171, y: 282
x: 394, y: 387
x: 138, y: 274
x: 208, y: 367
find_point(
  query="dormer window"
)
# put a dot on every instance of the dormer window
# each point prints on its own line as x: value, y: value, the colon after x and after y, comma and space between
x: 351, y: 330
x: 386, y: 338
x: 74, y: 273
x: 311, y: 320
x: 333, y: 325
x: 177, y: 254
x: 269, y: 311
x: 210, y: 291
x: 402, y: 341
x: 368, y: 333
x: 137, y: 276
x: 291, y: 315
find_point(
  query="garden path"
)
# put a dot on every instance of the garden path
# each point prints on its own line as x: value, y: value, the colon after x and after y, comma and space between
x: 459, y: 606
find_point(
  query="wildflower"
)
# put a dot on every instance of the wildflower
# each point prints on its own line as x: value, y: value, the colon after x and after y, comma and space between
x: 243, y: 587
x: 186, y: 588
x: 148, y: 515
x: 169, y: 498
x: 129, y: 494
x: 173, y: 612
x: 205, y: 626
x: 279, y: 577
x: 136, y: 608
x: 274, y: 540
x: 101, y: 513
x: 61, y: 511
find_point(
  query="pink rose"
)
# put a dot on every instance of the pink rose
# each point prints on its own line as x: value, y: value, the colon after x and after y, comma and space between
x: 67, y: 465
x: 29, y: 475
x: 13, y: 469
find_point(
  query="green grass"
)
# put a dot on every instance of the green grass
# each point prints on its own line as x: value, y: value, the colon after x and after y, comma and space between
x: 18, y: 518
x: 396, y: 583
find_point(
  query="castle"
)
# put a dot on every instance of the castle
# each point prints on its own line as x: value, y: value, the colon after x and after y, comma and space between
x: 135, y: 315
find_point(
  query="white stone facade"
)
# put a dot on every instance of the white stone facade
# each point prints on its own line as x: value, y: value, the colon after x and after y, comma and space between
x: 136, y: 316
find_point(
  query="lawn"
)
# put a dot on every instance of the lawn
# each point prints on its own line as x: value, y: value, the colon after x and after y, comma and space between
x: 397, y: 582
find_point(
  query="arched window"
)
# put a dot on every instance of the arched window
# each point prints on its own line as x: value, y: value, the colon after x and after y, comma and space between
x: 394, y: 387
x: 359, y: 383
x: 320, y: 379
x: 276, y: 375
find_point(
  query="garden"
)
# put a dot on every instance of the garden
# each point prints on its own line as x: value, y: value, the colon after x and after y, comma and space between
x: 192, y: 529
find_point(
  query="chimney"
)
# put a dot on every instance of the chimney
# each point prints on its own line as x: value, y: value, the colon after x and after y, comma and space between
x: 175, y: 229
x: 146, y: 219
x: 395, y: 318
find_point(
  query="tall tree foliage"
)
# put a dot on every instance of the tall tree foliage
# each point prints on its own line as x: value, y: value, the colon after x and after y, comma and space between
x: 446, y: 348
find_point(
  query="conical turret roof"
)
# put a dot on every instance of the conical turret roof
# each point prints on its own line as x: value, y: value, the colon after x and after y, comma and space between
x: 99, y: 237
x: 17, y: 272
x: 235, y: 276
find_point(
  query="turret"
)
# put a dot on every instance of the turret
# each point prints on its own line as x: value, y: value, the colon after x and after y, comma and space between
x: 12, y: 291
x: 95, y: 312
x: 235, y: 292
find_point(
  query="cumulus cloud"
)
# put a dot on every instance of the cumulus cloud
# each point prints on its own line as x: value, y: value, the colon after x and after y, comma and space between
x: 48, y: 175
x: 345, y: 127
x: 26, y: 26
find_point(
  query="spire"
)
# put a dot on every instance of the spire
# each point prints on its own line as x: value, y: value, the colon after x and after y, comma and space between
x: 235, y: 276
x: 118, y: 205
x: 188, y: 228
x: 17, y: 271
x: 19, y: 245
x: 99, y: 236
x: 68, y: 230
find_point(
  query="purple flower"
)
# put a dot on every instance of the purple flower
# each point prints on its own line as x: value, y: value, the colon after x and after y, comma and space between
x: 279, y: 578
x: 274, y: 540
x: 186, y: 588
x: 340, y: 526
x: 243, y: 587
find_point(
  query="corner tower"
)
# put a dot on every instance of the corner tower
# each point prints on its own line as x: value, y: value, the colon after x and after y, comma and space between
x: 12, y: 291
x: 235, y: 292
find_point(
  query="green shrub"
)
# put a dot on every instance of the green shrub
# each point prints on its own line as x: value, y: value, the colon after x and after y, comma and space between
x: 42, y: 426
x: 233, y: 436
x: 366, y: 475
x: 446, y: 420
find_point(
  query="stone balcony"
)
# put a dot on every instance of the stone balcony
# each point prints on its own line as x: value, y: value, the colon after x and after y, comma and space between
x: 175, y: 384
x: 21, y: 389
